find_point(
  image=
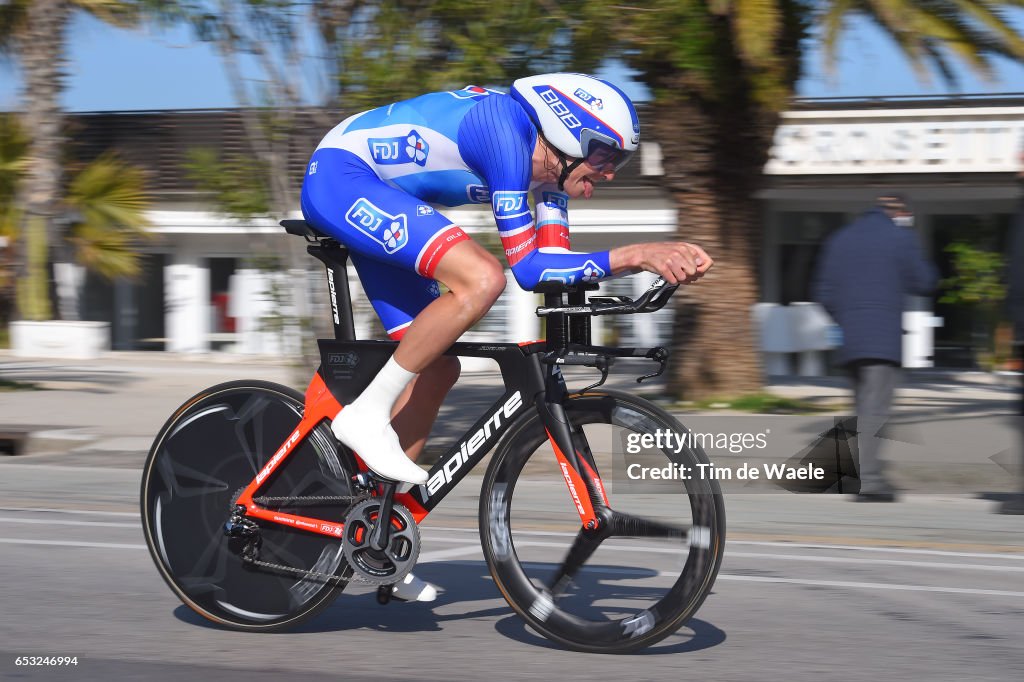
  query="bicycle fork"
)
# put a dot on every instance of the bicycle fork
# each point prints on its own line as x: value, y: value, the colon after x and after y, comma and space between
x: 575, y: 459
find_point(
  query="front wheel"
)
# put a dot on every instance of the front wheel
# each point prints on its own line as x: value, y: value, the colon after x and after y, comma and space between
x: 202, y: 459
x: 653, y: 561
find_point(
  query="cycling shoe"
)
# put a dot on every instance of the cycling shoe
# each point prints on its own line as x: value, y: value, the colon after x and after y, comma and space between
x: 377, y: 445
x: 414, y: 589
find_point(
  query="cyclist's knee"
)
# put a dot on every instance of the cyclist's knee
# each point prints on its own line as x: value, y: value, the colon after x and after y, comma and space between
x: 479, y: 286
x: 487, y: 280
x: 492, y: 282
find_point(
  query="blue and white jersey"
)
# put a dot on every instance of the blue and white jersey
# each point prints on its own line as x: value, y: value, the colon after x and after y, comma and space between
x: 468, y: 146
x: 415, y: 145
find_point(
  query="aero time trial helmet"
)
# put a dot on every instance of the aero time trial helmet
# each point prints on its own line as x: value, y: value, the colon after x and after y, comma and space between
x: 581, y: 116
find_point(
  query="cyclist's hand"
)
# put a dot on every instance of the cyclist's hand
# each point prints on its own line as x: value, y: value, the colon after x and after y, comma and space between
x: 677, y: 262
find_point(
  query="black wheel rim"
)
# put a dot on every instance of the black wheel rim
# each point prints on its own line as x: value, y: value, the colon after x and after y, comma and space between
x: 198, y: 467
x: 606, y: 608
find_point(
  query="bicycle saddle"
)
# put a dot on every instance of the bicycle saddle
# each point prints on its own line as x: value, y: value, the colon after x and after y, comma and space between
x: 301, y: 228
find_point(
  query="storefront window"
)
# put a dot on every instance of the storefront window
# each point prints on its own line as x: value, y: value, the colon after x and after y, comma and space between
x: 800, y: 238
x: 971, y: 335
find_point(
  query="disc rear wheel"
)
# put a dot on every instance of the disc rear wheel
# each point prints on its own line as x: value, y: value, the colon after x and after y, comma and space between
x: 205, y: 455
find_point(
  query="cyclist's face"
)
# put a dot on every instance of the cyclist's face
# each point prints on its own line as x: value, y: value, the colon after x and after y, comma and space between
x: 584, y: 177
x: 580, y: 183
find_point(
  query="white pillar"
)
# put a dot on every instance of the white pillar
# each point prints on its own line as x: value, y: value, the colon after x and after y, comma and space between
x: 187, y: 321
x: 69, y: 278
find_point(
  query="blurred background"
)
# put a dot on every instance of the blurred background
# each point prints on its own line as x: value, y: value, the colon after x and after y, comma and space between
x: 149, y: 148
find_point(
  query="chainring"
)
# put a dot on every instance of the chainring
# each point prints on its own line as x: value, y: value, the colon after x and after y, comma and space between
x: 394, y: 562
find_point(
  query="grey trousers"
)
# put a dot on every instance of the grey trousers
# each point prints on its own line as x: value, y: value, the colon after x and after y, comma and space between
x: 874, y: 382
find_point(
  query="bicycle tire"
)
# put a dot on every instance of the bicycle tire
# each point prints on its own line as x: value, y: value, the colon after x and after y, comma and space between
x: 528, y: 595
x: 206, y: 453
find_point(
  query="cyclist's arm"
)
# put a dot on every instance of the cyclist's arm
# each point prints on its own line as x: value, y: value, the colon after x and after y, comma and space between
x: 552, y: 207
x: 496, y: 139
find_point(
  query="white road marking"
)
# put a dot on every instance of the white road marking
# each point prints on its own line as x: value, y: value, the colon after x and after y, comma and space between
x: 1018, y: 556
x: 89, y: 512
x: 54, y: 522
x: 437, y: 554
x: 870, y: 586
x: 887, y: 562
x: 67, y: 543
x: 894, y: 550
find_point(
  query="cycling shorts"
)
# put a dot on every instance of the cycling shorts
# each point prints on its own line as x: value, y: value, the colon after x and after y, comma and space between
x: 396, y: 240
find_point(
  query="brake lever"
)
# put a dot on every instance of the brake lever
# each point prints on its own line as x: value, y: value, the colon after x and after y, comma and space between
x: 603, y: 365
x: 659, y: 355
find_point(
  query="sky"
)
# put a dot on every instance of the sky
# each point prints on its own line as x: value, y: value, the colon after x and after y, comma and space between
x: 114, y: 69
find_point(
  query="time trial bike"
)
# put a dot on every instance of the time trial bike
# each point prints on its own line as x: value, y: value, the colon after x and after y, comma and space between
x: 257, y: 518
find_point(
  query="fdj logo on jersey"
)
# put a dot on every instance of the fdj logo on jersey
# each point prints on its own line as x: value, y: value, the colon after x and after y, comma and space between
x: 560, y: 108
x: 588, y: 272
x: 387, y: 230
x: 593, y: 102
x: 389, y: 151
x: 556, y: 199
x: 478, y: 194
x: 508, y: 204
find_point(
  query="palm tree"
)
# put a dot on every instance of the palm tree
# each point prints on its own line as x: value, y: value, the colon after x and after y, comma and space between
x: 33, y: 33
x: 13, y: 145
x: 721, y: 71
x: 106, y: 198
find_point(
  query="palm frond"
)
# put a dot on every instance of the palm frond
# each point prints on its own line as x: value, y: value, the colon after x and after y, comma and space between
x: 833, y: 22
x: 995, y: 23
x: 756, y: 27
x: 115, y: 12
x: 12, y: 21
x: 930, y: 32
x: 109, y: 196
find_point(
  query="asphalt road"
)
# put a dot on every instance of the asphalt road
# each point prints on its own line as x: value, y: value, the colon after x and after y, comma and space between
x: 812, y: 588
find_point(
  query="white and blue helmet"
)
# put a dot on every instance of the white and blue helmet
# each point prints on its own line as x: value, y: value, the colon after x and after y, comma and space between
x: 583, y: 117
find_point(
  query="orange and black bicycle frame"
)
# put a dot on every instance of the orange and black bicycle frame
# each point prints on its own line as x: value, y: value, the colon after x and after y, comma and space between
x: 532, y: 380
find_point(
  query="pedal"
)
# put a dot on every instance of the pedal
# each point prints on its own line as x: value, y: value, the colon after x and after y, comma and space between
x: 384, y: 594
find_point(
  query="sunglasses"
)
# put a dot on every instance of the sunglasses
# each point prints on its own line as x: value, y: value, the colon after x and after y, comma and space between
x: 603, y: 150
x: 601, y: 155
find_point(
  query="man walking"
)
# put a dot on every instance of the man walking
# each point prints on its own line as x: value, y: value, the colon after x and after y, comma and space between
x: 865, y: 272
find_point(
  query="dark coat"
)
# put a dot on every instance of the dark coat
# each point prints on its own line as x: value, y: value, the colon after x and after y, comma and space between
x: 1015, y: 278
x: 864, y: 274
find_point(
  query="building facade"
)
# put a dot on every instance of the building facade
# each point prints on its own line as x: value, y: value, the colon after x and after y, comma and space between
x: 204, y: 289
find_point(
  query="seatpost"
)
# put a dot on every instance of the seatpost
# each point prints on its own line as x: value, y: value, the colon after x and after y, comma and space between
x: 335, y: 257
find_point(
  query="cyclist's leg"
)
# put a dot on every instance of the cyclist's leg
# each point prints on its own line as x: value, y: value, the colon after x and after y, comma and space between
x: 342, y: 196
x: 474, y: 279
x: 398, y: 296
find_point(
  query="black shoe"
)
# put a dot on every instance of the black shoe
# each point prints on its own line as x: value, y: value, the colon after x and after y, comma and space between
x: 887, y: 496
x: 1013, y: 505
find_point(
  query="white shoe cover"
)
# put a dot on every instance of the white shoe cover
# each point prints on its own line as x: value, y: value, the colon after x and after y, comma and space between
x: 413, y: 589
x: 377, y: 444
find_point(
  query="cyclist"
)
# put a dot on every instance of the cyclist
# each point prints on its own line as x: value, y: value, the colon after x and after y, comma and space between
x: 373, y: 183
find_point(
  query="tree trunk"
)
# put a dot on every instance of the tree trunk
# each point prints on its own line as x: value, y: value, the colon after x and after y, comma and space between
x: 41, y: 54
x: 712, y: 158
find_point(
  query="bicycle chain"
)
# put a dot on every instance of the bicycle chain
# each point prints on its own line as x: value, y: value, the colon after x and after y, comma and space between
x: 312, y: 499
x: 248, y: 551
x: 302, y: 573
